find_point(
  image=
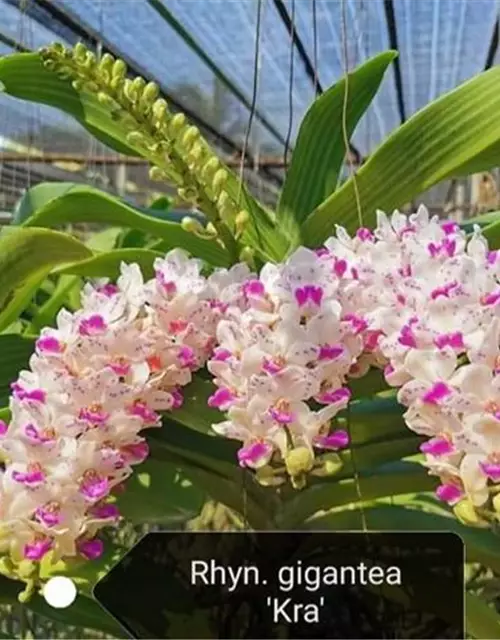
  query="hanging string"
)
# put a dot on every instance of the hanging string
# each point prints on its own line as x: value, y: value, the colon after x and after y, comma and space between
x: 255, y: 88
x: 315, y: 47
x: 345, y: 62
x: 290, y: 89
x: 356, y: 475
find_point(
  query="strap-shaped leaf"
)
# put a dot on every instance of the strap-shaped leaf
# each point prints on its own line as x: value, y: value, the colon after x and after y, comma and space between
x: 27, y: 256
x: 443, y: 139
x: 108, y: 264
x: 85, y: 204
x: 320, y: 148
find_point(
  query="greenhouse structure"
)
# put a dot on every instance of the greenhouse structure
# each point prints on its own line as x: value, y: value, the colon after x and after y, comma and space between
x: 249, y: 319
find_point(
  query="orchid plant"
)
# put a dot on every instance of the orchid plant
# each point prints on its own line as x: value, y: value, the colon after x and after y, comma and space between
x: 299, y: 367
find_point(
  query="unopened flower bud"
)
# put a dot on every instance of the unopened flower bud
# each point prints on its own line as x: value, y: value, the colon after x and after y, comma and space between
x: 267, y: 477
x: 191, y: 135
x: 241, y: 221
x: 107, y: 100
x: 176, y: 124
x: 327, y: 465
x: 106, y: 63
x: 209, y: 169
x: 129, y: 90
x: 78, y: 85
x: 90, y: 60
x: 157, y: 175
x: 119, y: 70
x: 219, y: 181
x: 26, y: 569
x: 191, y: 225
x: 299, y: 461
x: 211, y: 230
x: 160, y: 109
x: 466, y: 513
x: 149, y: 94
x: 136, y: 138
x: 80, y: 52
x: 248, y: 255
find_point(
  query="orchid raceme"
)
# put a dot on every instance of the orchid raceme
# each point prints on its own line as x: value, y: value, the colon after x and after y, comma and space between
x: 96, y: 381
x: 430, y: 296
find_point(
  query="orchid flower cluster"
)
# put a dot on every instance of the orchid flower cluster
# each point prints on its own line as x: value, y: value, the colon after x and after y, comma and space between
x: 429, y: 297
x: 414, y: 297
x: 96, y: 381
x: 284, y: 352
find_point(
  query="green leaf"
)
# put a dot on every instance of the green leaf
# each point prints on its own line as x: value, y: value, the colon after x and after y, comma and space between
x: 37, y: 197
x: 108, y: 264
x: 47, y: 312
x: 26, y: 257
x: 481, y: 620
x: 405, y: 478
x: 15, y: 353
x: 83, y: 613
x: 195, y: 412
x: 159, y: 493
x: 481, y: 544
x: 86, y: 204
x: 436, y: 143
x: 24, y: 76
x: 320, y: 148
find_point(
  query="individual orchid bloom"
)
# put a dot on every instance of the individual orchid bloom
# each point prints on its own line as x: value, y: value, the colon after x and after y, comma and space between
x: 431, y: 372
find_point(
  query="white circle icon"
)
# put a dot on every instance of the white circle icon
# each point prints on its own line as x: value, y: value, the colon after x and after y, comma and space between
x: 59, y: 592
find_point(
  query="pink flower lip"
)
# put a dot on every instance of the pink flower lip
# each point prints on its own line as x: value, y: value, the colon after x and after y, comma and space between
x: 491, y: 469
x: 407, y: 337
x: 342, y: 395
x: 222, y: 399
x: 253, y: 288
x: 490, y: 298
x: 272, y: 366
x: 105, y: 511
x: 444, y: 291
x: 330, y: 352
x: 94, y: 487
x: 135, y: 453
x: 454, y: 340
x: 364, y: 234
x: 309, y: 293
x: 186, y: 357
x: 177, y: 326
x: 120, y: 367
x: 147, y: 415
x: 371, y: 340
x: 492, y: 257
x: 20, y: 393
x: 109, y: 290
x: 37, y: 549
x: 358, y: 323
x: 439, y: 391
x: 221, y: 354
x: 49, y: 344
x: 94, y: 414
x: 168, y: 286
x: 219, y: 305
x: 48, y: 516
x: 449, y: 492
x: 322, y: 251
x: 94, y: 325
x: 449, y: 227
x: 33, y: 477
x: 338, y: 439
x: 91, y: 549
x: 38, y: 436
x: 253, y: 453
x: 178, y: 398
x: 282, y: 416
x: 339, y: 267
x: 437, y: 447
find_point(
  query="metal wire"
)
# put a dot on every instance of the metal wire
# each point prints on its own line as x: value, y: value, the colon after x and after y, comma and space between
x: 255, y: 88
x: 290, y: 89
x: 315, y: 47
x: 345, y: 56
